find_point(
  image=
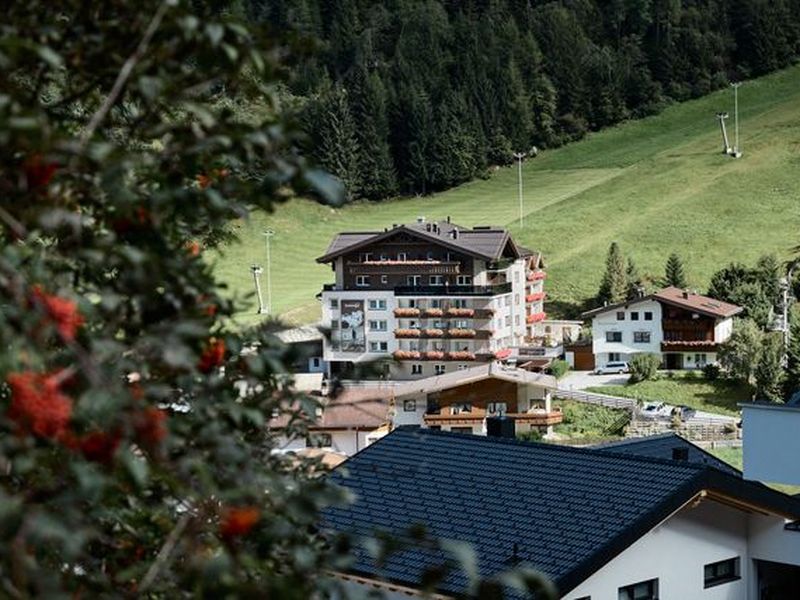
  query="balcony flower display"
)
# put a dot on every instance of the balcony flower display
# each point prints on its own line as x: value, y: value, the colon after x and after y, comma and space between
x: 407, y: 355
x: 484, y: 313
x: 432, y: 312
x: 535, y: 297
x: 406, y: 333
x: 434, y: 355
x: 502, y: 354
x: 460, y: 312
x: 536, y: 275
x: 406, y: 312
x: 458, y: 332
x: 536, y: 317
x: 461, y: 355
x: 433, y: 332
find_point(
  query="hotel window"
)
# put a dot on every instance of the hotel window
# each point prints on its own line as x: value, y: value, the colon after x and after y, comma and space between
x: 409, y: 405
x: 461, y: 324
x: 334, y: 303
x: 377, y: 325
x: 508, y: 320
x: 401, y: 256
x: 414, y: 280
x: 721, y: 572
x: 613, y: 336
x: 436, y: 280
x: 362, y: 280
x: 508, y: 300
x: 634, y: 316
x: 438, y: 369
x: 460, y: 303
x: 384, y: 279
x: 641, y: 337
x: 464, y: 280
x: 377, y: 304
x: 335, y: 324
x: 645, y: 590
x: 412, y: 303
x: 648, y: 316
x: 436, y: 303
x: 516, y: 299
x: 462, y: 367
x: 516, y: 320
x: 378, y: 346
x: 620, y: 315
x: 416, y: 369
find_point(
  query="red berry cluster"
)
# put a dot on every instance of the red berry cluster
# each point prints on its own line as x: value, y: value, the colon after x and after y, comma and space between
x: 38, y: 405
x: 61, y: 312
x: 213, y: 355
x: 238, y: 521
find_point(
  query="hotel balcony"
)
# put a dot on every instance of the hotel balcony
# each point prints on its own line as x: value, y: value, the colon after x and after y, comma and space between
x: 438, y: 355
x: 535, y: 297
x: 453, y: 290
x: 536, y: 275
x: 536, y: 417
x: 404, y: 267
x: 407, y: 312
x: 536, y: 318
x: 436, y: 332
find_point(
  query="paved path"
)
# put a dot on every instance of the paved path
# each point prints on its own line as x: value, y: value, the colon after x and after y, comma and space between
x: 580, y: 380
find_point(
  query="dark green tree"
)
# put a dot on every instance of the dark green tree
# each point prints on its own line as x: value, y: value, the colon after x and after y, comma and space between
x: 338, y: 150
x: 740, y: 355
x: 769, y: 373
x: 673, y: 272
x: 614, y: 285
x: 635, y: 283
x: 792, y: 381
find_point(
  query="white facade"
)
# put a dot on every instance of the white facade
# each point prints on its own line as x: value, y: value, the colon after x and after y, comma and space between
x: 615, y: 338
x: 771, y: 442
x: 343, y: 441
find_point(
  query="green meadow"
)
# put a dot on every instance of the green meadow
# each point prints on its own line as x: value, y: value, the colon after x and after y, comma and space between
x: 655, y: 186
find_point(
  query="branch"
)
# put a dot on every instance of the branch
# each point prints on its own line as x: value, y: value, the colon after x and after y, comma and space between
x: 124, y: 74
x: 163, y: 555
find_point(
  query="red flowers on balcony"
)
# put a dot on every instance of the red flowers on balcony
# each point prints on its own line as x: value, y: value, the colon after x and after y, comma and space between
x: 431, y: 333
x: 433, y: 312
x: 460, y: 312
x: 434, y: 355
x: 536, y: 317
x: 460, y: 355
x: 535, y: 297
x: 406, y: 333
x: 460, y: 333
x: 407, y: 355
x: 502, y: 354
x: 536, y: 275
x: 406, y: 312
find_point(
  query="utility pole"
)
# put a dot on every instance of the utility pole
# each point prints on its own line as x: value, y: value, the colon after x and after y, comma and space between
x: 726, y: 146
x: 736, y: 150
x: 519, y: 156
x: 268, y: 233
x: 257, y: 270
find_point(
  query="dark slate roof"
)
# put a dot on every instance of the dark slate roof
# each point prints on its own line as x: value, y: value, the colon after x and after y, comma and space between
x: 485, y: 242
x: 661, y: 446
x: 568, y: 510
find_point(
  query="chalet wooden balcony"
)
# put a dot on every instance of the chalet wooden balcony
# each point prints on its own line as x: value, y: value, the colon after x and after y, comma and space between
x: 537, y: 417
x: 452, y: 290
x: 404, y: 267
x: 437, y: 355
x: 689, y: 346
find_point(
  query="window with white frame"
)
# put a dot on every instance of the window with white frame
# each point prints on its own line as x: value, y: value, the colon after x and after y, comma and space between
x: 378, y: 346
x: 401, y: 256
x: 613, y: 336
x: 648, y: 316
x: 334, y: 303
x: 516, y: 299
x: 641, y: 337
x: 508, y: 320
x: 377, y: 325
x: 362, y: 280
x: 462, y: 367
x: 334, y: 323
x: 366, y: 256
x: 384, y: 256
x: 724, y: 571
x: 614, y: 357
x: 459, y: 303
x: 508, y: 300
x: 460, y: 324
x: 436, y: 280
x: 414, y: 280
x: 409, y: 406
x: 377, y: 304
x: 416, y: 369
x: 436, y: 303
x: 464, y: 280
x: 516, y: 320
x: 439, y: 369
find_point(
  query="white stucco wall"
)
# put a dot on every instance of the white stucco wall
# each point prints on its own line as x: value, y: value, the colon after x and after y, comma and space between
x: 676, y: 552
x: 770, y: 541
x: 723, y: 330
x: 771, y: 444
x: 345, y: 442
x: 607, y: 322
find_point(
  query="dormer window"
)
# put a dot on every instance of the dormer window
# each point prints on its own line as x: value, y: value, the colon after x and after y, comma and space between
x: 366, y: 256
x: 401, y: 256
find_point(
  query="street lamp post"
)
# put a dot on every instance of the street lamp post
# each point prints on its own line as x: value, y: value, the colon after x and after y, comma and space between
x: 736, y: 149
x: 268, y: 233
x: 257, y: 270
x: 519, y: 156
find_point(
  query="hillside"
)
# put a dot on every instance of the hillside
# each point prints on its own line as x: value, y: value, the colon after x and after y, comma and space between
x: 655, y: 185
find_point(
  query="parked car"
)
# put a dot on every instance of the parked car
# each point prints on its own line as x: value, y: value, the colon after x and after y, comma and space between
x: 612, y: 368
x: 686, y: 412
x: 656, y: 410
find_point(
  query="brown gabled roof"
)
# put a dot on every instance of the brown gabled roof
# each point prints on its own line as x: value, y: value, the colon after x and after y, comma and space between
x: 354, y: 408
x: 488, y: 243
x: 697, y: 302
x: 681, y: 298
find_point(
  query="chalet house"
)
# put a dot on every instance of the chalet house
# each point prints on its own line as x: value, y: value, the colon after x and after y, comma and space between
x: 640, y: 521
x: 433, y: 296
x: 683, y: 327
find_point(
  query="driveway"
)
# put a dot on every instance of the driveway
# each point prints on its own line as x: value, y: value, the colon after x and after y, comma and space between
x: 580, y: 380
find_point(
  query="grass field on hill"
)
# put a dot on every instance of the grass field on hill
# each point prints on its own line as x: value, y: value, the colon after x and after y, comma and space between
x: 655, y: 186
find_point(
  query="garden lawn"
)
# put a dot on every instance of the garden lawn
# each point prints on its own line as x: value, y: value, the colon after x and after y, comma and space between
x: 588, y: 423
x: 656, y: 185
x: 719, y: 396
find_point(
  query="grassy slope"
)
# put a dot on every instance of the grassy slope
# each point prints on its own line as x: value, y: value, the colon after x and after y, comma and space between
x: 734, y: 456
x: 655, y: 186
x: 720, y: 396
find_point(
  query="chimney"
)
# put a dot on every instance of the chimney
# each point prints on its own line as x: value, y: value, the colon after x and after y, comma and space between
x: 686, y: 293
x: 448, y: 218
x: 680, y: 453
x: 454, y: 233
x: 420, y: 220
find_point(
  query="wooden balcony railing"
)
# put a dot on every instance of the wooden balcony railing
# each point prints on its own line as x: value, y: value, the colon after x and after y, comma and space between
x: 404, y: 267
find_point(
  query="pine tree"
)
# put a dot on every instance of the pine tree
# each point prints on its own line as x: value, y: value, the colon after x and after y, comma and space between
x: 633, y: 279
x: 769, y: 373
x: 792, y: 382
x: 614, y: 286
x: 338, y: 149
x: 674, y: 272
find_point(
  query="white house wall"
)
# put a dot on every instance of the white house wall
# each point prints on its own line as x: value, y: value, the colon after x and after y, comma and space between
x: 769, y: 540
x: 676, y: 552
x: 771, y: 444
x: 607, y: 322
x: 723, y: 330
x: 346, y: 442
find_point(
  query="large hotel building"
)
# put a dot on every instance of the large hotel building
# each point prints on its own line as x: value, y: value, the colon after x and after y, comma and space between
x: 433, y: 296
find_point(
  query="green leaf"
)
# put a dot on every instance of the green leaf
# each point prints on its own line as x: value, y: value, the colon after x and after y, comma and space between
x: 49, y: 56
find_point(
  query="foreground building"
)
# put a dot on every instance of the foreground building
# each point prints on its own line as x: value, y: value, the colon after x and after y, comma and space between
x: 619, y: 523
x: 433, y: 296
x: 683, y: 327
x: 770, y: 441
